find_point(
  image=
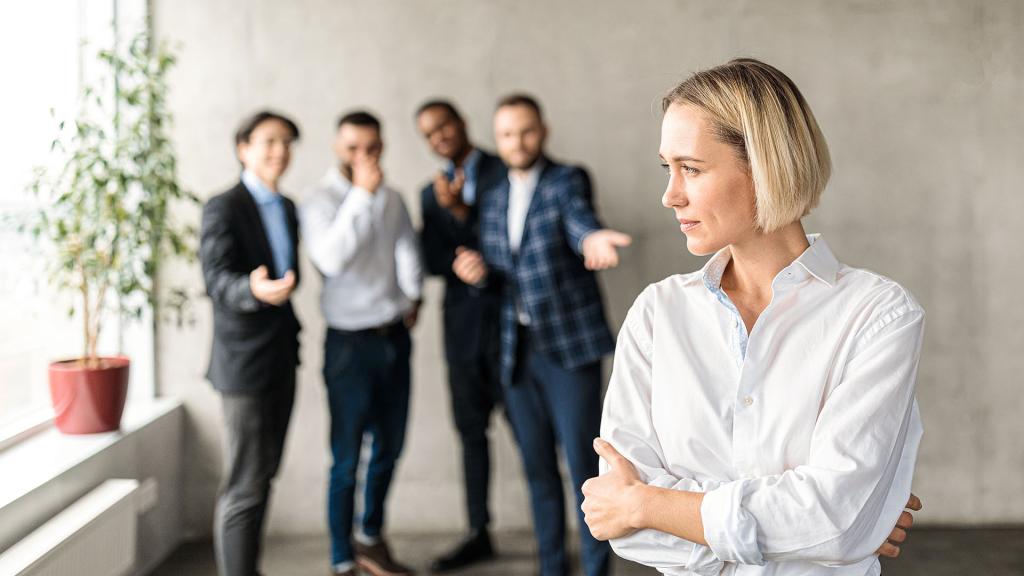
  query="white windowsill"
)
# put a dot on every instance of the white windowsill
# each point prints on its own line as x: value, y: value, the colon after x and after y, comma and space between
x: 29, y: 425
x: 40, y: 458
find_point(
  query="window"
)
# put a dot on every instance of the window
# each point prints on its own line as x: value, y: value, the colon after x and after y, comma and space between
x: 42, y: 53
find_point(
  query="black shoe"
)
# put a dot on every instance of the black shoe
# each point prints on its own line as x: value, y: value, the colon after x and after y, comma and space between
x: 474, y: 548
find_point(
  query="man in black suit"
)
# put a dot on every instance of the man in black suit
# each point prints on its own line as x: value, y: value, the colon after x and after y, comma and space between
x: 471, y: 338
x: 249, y: 252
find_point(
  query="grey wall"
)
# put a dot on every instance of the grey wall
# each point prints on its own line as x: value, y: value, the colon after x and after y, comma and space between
x: 920, y: 101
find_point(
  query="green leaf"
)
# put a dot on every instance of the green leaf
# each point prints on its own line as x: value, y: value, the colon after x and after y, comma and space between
x: 103, y: 217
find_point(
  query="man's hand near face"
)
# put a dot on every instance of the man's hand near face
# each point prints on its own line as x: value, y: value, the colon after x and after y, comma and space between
x: 449, y: 194
x: 366, y: 173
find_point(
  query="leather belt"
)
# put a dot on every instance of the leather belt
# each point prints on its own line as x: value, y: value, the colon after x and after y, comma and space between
x: 386, y: 330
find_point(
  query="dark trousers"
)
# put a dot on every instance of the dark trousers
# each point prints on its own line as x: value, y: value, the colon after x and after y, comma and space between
x: 547, y: 404
x: 475, y: 392
x: 367, y: 377
x: 255, y: 428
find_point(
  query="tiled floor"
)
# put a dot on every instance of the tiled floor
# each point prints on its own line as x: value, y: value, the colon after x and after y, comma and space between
x: 930, y: 552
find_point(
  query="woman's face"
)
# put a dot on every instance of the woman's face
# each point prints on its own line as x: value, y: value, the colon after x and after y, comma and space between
x: 709, y: 187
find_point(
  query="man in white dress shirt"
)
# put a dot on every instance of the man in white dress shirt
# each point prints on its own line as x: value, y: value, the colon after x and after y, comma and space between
x: 360, y: 238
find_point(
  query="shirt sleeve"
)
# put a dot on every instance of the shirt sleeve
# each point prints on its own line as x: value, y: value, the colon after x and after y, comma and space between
x: 578, y: 217
x: 408, y: 260
x: 626, y: 423
x: 838, y: 507
x: 334, y: 235
x: 218, y: 254
x: 437, y: 253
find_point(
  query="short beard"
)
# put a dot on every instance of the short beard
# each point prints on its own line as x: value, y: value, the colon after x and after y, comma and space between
x: 529, y: 164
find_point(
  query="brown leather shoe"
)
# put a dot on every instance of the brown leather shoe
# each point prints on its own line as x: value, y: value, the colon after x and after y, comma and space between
x: 376, y: 559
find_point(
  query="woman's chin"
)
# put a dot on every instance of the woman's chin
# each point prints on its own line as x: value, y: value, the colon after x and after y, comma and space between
x: 700, y: 246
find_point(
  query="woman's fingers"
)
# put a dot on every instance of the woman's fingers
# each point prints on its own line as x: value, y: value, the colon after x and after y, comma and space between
x: 609, y: 453
x: 889, y: 550
x: 906, y: 520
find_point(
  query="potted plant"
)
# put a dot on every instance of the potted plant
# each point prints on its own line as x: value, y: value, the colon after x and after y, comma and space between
x: 105, y: 225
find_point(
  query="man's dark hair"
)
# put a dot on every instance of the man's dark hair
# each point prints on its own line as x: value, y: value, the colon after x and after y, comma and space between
x: 248, y: 125
x: 520, y: 99
x: 445, y: 105
x: 359, y: 118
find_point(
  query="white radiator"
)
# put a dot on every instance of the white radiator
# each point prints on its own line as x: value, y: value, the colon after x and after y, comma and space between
x: 94, y: 536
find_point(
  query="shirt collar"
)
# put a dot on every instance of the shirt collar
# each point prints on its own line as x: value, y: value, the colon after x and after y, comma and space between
x: 817, y: 260
x: 335, y: 175
x: 529, y: 181
x: 260, y: 191
x: 713, y: 269
x: 468, y: 165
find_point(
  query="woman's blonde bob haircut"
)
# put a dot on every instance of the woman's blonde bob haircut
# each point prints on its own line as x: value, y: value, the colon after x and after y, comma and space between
x: 757, y: 110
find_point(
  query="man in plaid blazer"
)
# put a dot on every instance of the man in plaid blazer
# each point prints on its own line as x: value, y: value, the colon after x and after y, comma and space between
x: 540, y: 242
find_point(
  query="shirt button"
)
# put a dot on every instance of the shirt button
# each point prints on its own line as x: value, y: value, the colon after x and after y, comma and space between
x: 748, y: 401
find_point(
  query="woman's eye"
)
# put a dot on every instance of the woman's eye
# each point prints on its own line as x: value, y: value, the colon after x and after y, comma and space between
x: 691, y: 170
x: 665, y: 168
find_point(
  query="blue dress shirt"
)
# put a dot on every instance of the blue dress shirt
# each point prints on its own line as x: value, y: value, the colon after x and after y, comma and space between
x: 469, y: 172
x: 275, y: 222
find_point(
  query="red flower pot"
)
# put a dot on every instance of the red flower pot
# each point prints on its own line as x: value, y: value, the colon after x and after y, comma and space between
x: 89, y: 398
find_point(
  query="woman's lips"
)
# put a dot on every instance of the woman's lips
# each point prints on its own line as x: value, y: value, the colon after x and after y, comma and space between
x: 687, y: 225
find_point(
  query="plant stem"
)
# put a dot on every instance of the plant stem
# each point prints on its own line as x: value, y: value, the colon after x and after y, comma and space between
x: 85, y: 313
x: 96, y: 319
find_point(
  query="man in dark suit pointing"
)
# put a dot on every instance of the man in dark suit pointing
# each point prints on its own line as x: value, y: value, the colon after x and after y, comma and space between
x: 249, y: 252
x: 450, y: 225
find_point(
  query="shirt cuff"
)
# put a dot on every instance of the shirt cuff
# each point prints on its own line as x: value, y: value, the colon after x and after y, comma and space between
x: 247, y: 301
x: 579, y: 246
x: 731, y: 532
x: 704, y: 562
x: 360, y: 197
x: 413, y: 295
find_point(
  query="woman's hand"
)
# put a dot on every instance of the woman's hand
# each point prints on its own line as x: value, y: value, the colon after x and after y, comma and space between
x: 612, y: 501
x: 891, y: 546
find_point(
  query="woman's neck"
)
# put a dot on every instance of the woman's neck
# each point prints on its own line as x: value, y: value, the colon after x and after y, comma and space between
x: 756, y: 261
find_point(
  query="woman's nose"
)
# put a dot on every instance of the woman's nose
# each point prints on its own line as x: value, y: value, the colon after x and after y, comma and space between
x: 674, y: 194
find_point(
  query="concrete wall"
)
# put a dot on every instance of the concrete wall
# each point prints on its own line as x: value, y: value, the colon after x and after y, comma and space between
x: 920, y: 101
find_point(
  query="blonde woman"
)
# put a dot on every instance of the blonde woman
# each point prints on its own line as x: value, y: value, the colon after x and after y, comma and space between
x: 761, y: 416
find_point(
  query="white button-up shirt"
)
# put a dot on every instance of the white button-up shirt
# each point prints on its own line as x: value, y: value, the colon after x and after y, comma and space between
x: 367, y: 250
x: 802, y: 435
x: 520, y: 196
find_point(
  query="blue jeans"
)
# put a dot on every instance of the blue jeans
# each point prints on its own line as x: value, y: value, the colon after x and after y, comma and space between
x: 367, y: 377
x: 547, y: 404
